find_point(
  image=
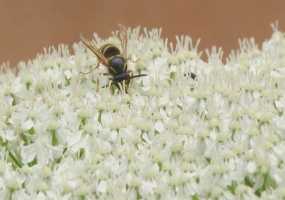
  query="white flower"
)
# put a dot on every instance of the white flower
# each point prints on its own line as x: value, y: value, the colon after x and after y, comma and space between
x: 63, y: 135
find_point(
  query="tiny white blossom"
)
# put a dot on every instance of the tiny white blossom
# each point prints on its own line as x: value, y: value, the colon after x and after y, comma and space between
x: 28, y: 153
x: 159, y: 126
x: 27, y: 125
x: 251, y: 167
x: 68, y: 74
x: 102, y: 187
x: 148, y: 187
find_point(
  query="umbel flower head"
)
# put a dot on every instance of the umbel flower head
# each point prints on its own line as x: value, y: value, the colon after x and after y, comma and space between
x: 217, y: 135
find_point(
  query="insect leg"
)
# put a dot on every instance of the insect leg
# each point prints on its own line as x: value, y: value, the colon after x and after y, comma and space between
x: 93, y: 68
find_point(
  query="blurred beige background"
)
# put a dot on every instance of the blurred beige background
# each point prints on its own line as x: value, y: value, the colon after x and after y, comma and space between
x: 28, y: 26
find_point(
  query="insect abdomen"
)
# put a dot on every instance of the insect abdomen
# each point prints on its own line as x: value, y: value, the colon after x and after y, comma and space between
x: 109, y: 50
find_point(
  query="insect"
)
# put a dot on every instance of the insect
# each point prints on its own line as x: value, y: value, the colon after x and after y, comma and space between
x: 191, y: 75
x: 115, y: 61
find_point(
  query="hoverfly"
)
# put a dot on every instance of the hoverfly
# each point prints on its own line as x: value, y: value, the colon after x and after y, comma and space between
x: 115, y: 61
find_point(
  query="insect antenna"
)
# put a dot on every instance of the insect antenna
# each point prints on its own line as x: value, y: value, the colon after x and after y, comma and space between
x: 136, y: 76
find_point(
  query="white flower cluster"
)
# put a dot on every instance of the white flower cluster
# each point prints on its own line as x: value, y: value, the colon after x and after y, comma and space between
x: 219, y: 135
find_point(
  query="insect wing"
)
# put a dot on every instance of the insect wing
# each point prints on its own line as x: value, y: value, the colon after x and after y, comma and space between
x: 95, y: 50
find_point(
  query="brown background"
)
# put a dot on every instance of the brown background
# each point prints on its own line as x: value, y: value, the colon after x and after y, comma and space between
x: 29, y: 25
